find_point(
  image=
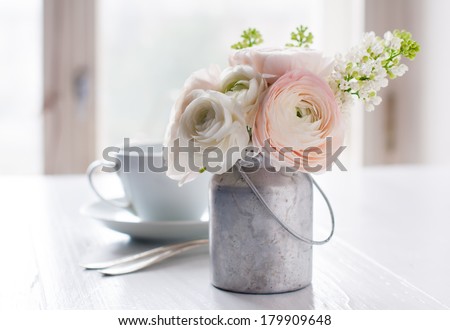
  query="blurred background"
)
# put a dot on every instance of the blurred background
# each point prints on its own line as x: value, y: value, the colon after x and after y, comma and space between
x: 80, y: 75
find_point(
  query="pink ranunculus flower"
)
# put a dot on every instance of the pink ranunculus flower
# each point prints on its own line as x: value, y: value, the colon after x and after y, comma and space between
x: 297, y: 114
x: 272, y: 63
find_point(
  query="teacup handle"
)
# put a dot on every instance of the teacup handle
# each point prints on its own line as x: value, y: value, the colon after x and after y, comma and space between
x: 90, y: 173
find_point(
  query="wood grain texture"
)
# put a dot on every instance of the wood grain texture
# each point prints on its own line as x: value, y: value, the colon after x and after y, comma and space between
x: 372, y: 263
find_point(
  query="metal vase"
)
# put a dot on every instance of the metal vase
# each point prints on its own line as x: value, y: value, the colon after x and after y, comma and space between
x: 251, y: 252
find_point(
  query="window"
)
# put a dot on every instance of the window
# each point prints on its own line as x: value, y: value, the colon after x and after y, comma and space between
x: 21, y: 87
x: 148, y: 48
x: 113, y: 68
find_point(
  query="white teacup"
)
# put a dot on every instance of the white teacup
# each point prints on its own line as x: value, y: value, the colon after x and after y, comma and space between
x: 148, y: 191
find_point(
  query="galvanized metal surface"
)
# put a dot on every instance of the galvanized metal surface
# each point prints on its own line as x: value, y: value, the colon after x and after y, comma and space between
x: 250, y: 252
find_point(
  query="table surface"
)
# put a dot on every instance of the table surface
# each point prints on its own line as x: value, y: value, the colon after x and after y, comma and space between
x: 391, y: 250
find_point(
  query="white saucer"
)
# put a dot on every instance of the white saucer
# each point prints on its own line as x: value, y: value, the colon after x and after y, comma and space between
x: 125, y: 221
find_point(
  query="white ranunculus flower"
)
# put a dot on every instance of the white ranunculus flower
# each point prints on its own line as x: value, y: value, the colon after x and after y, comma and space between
x: 204, y: 79
x: 246, y: 85
x: 215, y: 126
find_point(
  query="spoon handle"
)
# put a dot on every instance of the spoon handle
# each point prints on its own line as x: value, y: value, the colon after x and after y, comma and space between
x: 137, y: 256
x: 135, y: 266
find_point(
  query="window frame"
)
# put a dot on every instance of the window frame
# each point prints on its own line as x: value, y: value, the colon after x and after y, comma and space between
x: 69, y: 85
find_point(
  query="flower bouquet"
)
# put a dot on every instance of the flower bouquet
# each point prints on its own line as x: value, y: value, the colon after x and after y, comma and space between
x: 287, y: 105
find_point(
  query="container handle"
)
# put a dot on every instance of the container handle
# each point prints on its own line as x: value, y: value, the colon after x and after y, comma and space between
x: 285, y: 226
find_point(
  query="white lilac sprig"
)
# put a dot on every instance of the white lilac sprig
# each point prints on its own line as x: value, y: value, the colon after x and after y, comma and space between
x: 367, y: 67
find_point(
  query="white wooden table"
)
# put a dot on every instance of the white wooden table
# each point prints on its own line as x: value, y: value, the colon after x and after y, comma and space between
x: 391, y: 250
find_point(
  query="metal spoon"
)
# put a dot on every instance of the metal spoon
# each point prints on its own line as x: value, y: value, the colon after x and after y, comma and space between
x: 134, y: 266
x: 149, y: 253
